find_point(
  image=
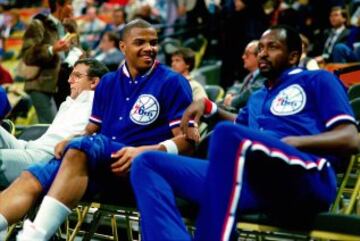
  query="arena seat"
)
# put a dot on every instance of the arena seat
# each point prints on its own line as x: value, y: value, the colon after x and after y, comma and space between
x: 354, y: 91
x: 214, y: 92
x: 9, y: 126
x: 349, y: 75
x: 337, y: 224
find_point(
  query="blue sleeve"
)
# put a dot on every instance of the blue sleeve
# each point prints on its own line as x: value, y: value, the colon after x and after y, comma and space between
x: 4, y: 103
x: 243, y: 116
x: 178, y: 96
x: 97, y: 111
x: 331, y: 100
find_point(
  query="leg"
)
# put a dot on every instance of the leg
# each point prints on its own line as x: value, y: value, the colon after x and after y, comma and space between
x: 19, y: 197
x: 343, y: 54
x: 13, y: 162
x: 156, y: 178
x: 82, y: 155
x: 44, y: 105
x: 8, y: 141
x: 239, y: 180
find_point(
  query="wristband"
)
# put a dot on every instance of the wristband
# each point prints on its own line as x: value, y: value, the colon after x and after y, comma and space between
x: 170, y: 146
x: 210, y: 108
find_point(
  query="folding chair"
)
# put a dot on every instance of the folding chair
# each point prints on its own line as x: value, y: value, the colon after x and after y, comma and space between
x: 338, y: 224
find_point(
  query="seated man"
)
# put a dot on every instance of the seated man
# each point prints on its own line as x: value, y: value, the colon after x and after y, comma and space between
x: 136, y: 108
x: 183, y: 61
x: 280, y: 160
x: 238, y: 94
x: 16, y: 155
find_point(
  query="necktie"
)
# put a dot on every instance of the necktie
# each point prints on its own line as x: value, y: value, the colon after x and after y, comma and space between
x: 247, y: 82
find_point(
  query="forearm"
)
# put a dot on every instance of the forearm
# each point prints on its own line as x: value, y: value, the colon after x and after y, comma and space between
x: 183, y: 145
x: 342, y: 140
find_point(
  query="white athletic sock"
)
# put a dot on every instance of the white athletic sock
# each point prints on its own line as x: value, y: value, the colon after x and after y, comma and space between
x: 51, y: 215
x: 3, y: 227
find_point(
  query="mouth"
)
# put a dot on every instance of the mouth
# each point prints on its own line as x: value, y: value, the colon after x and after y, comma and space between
x: 263, y: 64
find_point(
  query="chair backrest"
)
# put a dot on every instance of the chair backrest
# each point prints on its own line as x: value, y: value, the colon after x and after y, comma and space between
x: 33, y: 132
x: 349, y: 75
x: 9, y: 126
x: 354, y: 92
x: 355, y: 104
x: 214, y: 92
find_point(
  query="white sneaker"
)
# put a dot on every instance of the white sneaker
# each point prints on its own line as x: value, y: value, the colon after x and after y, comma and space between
x: 31, y: 233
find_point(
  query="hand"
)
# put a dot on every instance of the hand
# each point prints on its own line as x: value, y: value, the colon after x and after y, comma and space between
x: 291, y: 140
x: 124, y: 157
x: 228, y: 99
x: 195, y: 110
x: 59, y: 148
x: 61, y: 45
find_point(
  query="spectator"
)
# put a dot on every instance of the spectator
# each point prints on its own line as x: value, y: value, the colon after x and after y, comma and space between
x: 238, y: 94
x: 183, y: 61
x: 292, y: 144
x: 108, y: 52
x: 13, y: 24
x: 17, y: 155
x: 136, y: 108
x: 91, y: 29
x: 337, y: 34
x: 118, y: 21
x: 306, y: 61
x: 42, y: 47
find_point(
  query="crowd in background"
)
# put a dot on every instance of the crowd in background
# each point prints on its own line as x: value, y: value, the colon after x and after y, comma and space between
x: 226, y: 25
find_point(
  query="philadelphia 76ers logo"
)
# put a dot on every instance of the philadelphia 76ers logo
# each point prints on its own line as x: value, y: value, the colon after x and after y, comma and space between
x: 289, y: 101
x: 145, y: 110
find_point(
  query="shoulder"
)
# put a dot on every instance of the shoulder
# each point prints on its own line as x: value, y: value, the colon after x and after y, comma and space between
x: 168, y: 75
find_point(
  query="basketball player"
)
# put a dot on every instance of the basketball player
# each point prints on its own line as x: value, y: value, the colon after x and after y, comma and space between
x: 136, y: 108
x: 279, y: 160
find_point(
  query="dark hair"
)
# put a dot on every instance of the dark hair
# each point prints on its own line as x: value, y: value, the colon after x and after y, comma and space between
x: 137, y: 23
x: 120, y: 9
x: 343, y: 11
x: 291, y: 38
x: 96, y: 68
x: 188, y: 55
x: 52, y: 4
x: 113, y: 37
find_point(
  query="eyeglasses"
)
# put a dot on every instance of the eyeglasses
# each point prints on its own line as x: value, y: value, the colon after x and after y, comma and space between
x: 77, y: 75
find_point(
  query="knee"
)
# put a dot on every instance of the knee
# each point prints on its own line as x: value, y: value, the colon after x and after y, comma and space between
x: 30, y: 181
x: 141, y: 166
x: 74, y: 157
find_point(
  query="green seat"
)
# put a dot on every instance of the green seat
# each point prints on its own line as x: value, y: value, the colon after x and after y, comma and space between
x: 214, y: 92
x: 354, y: 92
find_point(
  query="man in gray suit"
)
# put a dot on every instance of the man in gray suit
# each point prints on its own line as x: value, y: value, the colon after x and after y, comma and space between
x: 238, y: 94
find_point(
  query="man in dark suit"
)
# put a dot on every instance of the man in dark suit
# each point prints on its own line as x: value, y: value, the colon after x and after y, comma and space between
x: 43, y: 47
x: 337, y: 34
x: 238, y: 94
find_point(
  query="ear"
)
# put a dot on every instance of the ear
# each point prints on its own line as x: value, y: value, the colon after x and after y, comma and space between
x: 94, y: 82
x: 294, y: 57
x: 122, y: 46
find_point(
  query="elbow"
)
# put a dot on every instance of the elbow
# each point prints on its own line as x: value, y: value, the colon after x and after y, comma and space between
x: 353, y: 143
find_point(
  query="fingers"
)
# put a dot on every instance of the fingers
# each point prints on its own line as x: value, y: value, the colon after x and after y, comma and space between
x: 119, y: 153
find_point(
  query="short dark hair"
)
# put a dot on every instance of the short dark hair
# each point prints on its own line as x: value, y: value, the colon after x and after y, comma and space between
x: 96, y: 68
x: 188, y: 55
x: 292, y: 38
x: 52, y: 4
x: 121, y: 9
x: 113, y: 37
x: 137, y: 23
x: 343, y: 11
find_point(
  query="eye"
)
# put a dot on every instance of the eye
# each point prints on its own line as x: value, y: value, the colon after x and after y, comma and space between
x: 154, y: 42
